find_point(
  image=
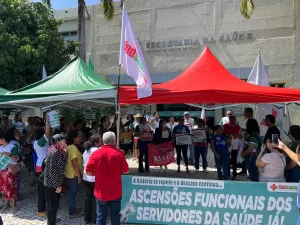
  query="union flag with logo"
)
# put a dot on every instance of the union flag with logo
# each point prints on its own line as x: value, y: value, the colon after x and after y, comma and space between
x: 132, y: 59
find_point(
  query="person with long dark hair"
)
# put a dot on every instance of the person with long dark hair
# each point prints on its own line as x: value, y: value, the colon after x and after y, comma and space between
x: 41, y: 146
x: 74, y: 171
x: 293, y: 169
x: 104, y: 124
x: 253, y: 146
x: 161, y: 135
x: 90, y: 146
x: 55, y: 164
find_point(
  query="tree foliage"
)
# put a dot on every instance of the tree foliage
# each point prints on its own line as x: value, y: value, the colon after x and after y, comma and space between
x: 108, y: 7
x: 29, y: 38
x: 247, y: 8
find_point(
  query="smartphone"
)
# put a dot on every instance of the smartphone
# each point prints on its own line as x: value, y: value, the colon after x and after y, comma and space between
x: 275, y: 138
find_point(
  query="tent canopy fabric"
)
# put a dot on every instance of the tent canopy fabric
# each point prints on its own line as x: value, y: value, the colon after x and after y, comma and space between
x: 206, y: 81
x: 3, y: 91
x: 74, y: 77
x: 73, y: 86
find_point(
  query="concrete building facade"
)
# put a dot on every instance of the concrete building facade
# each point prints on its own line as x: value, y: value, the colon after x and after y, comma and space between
x: 172, y: 33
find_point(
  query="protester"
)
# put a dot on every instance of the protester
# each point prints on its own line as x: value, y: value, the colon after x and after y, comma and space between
x: 74, y: 171
x: 104, y: 124
x: 295, y: 156
x: 107, y: 165
x: 68, y: 127
x: 189, y: 122
x: 5, y: 123
x: 200, y: 148
x: 181, y: 129
x: 171, y: 123
x: 18, y: 122
x: 272, y: 129
x: 90, y: 146
x: 140, y: 129
x: 41, y: 146
x: 55, y: 164
x: 130, y: 120
x: 253, y: 146
x: 219, y: 145
x: 161, y: 135
x: 137, y: 118
x: 232, y: 131
x: 94, y: 129
x: 8, y: 175
x: 292, y: 168
x: 29, y: 127
x: 128, y: 126
x: 225, y: 119
x: 271, y: 165
x: 154, y: 122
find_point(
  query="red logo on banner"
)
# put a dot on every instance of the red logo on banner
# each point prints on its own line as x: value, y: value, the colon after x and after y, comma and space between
x: 161, y: 154
x: 274, y: 113
x: 273, y: 187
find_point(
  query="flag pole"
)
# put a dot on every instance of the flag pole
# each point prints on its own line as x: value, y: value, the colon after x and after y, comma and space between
x: 118, y: 108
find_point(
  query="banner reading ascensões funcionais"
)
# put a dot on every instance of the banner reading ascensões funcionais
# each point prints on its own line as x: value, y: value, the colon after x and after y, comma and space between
x: 151, y: 200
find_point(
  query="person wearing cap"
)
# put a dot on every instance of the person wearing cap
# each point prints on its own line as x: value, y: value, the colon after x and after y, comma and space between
x: 41, y: 146
x: 55, y: 164
x: 189, y: 122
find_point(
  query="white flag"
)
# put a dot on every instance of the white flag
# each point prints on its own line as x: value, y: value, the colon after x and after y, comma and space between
x: 44, y: 73
x: 258, y: 74
x: 132, y: 60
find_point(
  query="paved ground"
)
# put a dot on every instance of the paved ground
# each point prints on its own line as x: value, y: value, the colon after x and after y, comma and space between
x: 26, y: 214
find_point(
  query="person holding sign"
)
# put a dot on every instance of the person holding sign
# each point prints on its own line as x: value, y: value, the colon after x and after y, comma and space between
x: 232, y: 131
x: 200, y: 136
x: 7, y: 175
x: 162, y: 135
x: 144, y: 133
x: 182, y: 133
x: 219, y: 145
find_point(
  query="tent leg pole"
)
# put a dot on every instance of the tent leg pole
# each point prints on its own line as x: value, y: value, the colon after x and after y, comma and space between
x: 118, y: 109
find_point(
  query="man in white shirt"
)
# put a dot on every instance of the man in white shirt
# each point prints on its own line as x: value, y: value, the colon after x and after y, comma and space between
x: 225, y: 119
x: 189, y: 122
x: 154, y: 122
x: 171, y: 123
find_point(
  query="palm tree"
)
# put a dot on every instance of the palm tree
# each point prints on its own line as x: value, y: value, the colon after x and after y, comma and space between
x: 108, y: 8
x: 247, y: 8
x: 81, y: 29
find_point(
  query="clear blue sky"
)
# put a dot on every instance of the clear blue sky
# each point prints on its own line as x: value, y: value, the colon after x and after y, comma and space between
x: 63, y: 4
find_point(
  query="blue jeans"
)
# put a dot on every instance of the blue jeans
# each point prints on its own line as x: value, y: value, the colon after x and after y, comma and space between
x: 72, y: 192
x: 102, y: 209
x: 222, y: 163
x: 253, y: 169
x: 200, y: 150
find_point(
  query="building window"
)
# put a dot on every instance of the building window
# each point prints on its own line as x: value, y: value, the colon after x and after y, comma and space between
x: 70, y: 36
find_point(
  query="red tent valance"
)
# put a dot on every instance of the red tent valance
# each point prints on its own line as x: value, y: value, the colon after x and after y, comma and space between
x: 206, y: 81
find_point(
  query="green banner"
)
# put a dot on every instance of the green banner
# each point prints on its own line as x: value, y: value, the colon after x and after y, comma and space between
x: 156, y: 200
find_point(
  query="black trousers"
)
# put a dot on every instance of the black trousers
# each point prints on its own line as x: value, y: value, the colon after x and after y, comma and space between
x: 183, y: 149
x: 143, y: 148
x: 52, y: 200
x: 90, y: 203
x: 41, y: 195
x: 234, y: 155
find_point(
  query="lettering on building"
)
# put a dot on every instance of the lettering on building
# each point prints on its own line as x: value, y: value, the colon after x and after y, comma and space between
x: 196, y: 43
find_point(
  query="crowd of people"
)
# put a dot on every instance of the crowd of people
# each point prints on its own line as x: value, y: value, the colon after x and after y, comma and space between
x: 62, y: 158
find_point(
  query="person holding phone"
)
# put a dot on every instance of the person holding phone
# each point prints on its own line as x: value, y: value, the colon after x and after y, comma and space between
x: 295, y: 156
x: 272, y: 164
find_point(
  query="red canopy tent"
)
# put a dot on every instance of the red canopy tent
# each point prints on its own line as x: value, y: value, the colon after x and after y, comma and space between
x: 206, y: 81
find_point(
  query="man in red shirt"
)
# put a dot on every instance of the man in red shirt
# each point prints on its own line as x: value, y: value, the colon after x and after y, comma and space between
x: 232, y: 131
x: 107, y: 165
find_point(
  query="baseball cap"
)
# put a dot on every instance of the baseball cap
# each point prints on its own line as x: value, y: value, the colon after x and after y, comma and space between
x: 186, y: 113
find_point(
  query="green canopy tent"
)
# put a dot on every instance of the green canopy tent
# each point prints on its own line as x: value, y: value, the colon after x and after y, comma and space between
x: 3, y: 91
x: 74, y: 86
